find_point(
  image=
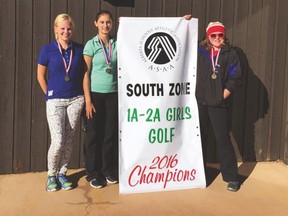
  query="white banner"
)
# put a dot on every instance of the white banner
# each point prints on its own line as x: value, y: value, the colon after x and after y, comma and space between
x: 160, y: 144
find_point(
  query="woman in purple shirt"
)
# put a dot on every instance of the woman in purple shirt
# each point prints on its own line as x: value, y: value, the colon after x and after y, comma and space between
x: 64, y: 97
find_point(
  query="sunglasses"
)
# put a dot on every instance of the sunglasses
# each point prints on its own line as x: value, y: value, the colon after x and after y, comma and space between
x: 221, y: 35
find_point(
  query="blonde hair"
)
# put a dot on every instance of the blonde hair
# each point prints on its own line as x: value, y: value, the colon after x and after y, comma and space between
x: 61, y: 18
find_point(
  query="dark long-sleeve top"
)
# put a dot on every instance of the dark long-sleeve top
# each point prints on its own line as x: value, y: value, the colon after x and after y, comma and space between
x: 210, y: 91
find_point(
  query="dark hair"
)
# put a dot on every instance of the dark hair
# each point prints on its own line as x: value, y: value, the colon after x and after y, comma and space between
x: 102, y: 12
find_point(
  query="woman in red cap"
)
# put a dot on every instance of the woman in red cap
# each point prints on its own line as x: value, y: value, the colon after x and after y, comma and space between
x: 218, y: 76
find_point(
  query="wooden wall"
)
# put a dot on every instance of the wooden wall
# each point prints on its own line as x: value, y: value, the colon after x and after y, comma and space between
x: 259, y: 27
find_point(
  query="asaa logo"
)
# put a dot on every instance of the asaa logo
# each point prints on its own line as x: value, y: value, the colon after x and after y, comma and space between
x: 160, y: 48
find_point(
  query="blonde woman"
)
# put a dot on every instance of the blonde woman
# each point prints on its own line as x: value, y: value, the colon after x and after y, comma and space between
x: 64, y: 97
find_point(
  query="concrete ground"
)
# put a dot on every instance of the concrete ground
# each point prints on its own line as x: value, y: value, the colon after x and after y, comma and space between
x: 264, y: 192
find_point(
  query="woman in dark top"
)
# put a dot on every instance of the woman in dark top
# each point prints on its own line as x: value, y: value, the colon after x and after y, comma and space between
x: 218, y: 76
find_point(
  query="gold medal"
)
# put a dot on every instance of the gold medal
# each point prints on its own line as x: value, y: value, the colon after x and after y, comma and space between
x: 67, y: 78
x: 215, y: 65
x: 213, y: 76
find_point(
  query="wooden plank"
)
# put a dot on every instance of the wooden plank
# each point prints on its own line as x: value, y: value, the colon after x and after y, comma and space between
x: 184, y: 7
x: 254, y: 83
x: 248, y: 92
x: 264, y: 74
x: 22, y: 127
x: 140, y: 8
x: 199, y: 11
x: 7, y: 72
x: 213, y: 11
x: 90, y: 10
x: 39, y: 127
x: 240, y: 23
x: 284, y: 137
x: 278, y: 111
x: 155, y: 8
x: 284, y: 140
x: 170, y: 8
x: 277, y: 85
x: 239, y: 121
x: 227, y: 16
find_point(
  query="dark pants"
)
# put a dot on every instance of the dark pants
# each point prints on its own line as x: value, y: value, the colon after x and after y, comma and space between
x: 101, y: 143
x: 219, y: 119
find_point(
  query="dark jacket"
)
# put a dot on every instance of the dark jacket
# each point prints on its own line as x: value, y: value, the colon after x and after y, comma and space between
x: 210, y: 91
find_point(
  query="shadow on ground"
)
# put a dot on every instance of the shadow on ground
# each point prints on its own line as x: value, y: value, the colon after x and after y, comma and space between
x: 75, y: 177
x: 244, y: 170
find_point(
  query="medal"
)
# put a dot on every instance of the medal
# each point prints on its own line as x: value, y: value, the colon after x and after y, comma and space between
x: 67, y: 78
x: 108, y: 70
x: 214, y: 64
x: 107, y: 54
x: 67, y: 68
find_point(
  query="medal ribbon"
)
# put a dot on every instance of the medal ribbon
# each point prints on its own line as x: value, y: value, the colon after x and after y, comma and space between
x: 63, y: 59
x: 107, y: 53
x: 214, y: 63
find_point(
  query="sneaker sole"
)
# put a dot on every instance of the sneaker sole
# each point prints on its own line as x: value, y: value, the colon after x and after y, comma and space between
x: 66, y: 188
x: 97, y: 187
x: 232, y: 189
x: 111, y: 182
x: 51, y: 190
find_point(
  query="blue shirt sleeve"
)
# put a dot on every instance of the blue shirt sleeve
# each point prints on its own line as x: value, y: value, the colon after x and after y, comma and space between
x: 42, y: 58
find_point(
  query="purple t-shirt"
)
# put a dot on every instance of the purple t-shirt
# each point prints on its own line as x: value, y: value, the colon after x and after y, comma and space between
x: 51, y: 57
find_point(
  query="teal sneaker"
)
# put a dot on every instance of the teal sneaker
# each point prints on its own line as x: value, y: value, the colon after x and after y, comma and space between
x: 51, y: 184
x: 64, y: 183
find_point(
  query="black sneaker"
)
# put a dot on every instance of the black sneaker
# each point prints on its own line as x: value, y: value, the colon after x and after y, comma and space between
x: 98, y: 183
x: 233, y: 186
x: 111, y: 180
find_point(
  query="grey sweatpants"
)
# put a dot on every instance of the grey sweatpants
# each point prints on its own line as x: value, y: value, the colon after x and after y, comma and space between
x: 62, y: 116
